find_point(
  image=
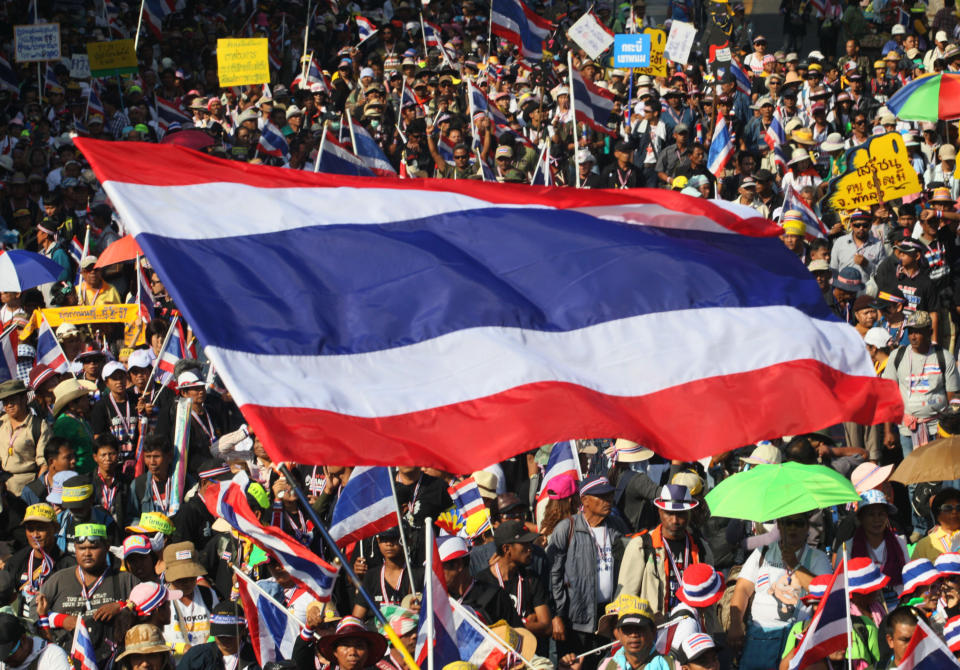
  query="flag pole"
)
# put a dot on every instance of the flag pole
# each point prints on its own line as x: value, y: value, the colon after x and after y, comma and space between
x: 323, y: 141
x: 353, y: 138
x: 371, y: 605
x: 846, y: 600
x: 403, y: 536
x: 573, y: 119
x: 136, y: 39
x: 156, y: 361
x: 423, y: 34
x: 305, y: 64
x: 428, y: 588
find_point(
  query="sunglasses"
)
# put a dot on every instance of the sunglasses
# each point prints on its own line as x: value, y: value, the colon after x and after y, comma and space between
x: 950, y: 508
x: 859, y: 122
x: 860, y: 225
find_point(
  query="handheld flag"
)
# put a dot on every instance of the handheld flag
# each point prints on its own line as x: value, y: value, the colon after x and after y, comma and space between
x: 793, y: 201
x: 466, y: 495
x: 82, y: 651
x: 49, y: 351
x: 170, y: 356
x: 827, y: 631
x: 273, y: 143
x: 520, y: 25
x: 365, y: 507
x: 927, y: 651
x: 365, y: 28
x: 338, y: 159
x: 478, y: 344
x: 445, y: 644
x: 721, y: 148
x: 227, y: 500
x: 9, y: 340
x: 155, y: 11
x: 272, y: 631
x: 8, y: 78
x: 592, y: 104
x: 370, y: 152
x: 561, y: 461
x: 167, y: 112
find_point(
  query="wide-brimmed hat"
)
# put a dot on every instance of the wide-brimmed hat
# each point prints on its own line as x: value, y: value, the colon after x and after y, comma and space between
x: 917, y: 574
x: 816, y: 589
x: 948, y: 563
x: 69, y: 390
x: 701, y: 586
x: 764, y: 453
x: 941, y: 194
x: 12, y: 387
x: 863, y: 576
x: 868, y: 476
x: 352, y: 627
x: 180, y: 561
x: 803, y: 136
x: 834, y: 142
x: 144, y: 638
x: 487, y: 483
x: 39, y: 374
x: 951, y: 633
x: 519, y: 640
x: 799, y: 155
x: 626, y: 451
x: 675, y: 498
x: 875, y: 497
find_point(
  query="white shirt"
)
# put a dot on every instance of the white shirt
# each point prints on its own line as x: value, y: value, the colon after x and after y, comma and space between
x: 605, y: 581
x: 777, y: 592
x: 51, y: 656
x: 196, y: 616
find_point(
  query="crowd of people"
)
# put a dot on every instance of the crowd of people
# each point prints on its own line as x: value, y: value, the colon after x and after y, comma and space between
x: 627, y: 558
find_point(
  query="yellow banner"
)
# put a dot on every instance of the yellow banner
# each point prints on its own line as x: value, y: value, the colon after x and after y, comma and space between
x: 877, y: 171
x: 108, y: 58
x: 80, y: 315
x: 658, y: 62
x: 242, y: 61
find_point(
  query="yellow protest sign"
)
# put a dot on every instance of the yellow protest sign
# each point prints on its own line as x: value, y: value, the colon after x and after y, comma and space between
x: 658, y: 63
x: 108, y: 59
x: 125, y: 313
x: 242, y: 61
x: 877, y: 171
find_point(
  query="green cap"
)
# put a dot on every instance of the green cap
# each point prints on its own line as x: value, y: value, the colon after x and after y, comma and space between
x: 90, y: 530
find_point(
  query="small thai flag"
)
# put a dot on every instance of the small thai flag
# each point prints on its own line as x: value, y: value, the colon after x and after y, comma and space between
x: 8, y: 78
x: 466, y: 496
x: 337, y: 158
x: 365, y: 506
x: 145, y: 297
x: 273, y: 143
x: 561, y: 461
x: 49, y: 351
x: 272, y: 632
x: 743, y: 82
x: 168, y: 112
x: 445, y: 633
x: 94, y: 105
x: 432, y: 34
x: 83, y: 652
x: 9, y: 340
x: 721, y: 147
x: 365, y: 28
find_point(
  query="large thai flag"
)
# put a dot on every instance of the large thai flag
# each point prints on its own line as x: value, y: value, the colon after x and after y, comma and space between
x: 561, y: 461
x: 273, y: 143
x: 272, y: 632
x: 168, y: 112
x: 518, y: 24
x: 503, y: 317
x: 792, y: 200
x: 228, y: 501
x: 365, y: 28
x: 338, y: 159
x: 592, y: 104
x: 927, y: 651
x: 49, y: 351
x: 721, y: 147
x: 466, y: 495
x: 8, y: 78
x: 155, y: 11
x: 82, y: 651
x: 370, y: 152
x: 365, y: 506
x: 827, y: 631
x: 9, y: 340
x: 445, y: 642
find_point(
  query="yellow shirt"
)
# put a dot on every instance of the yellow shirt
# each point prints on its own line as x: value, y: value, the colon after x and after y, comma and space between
x: 105, y: 295
x: 937, y: 542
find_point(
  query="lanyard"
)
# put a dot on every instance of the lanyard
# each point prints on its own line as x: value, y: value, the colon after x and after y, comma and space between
x: 125, y: 418
x: 13, y: 437
x: 686, y: 558
x: 460, y: 599
x: 208, y: 429
x: 109, y: 492
x: 301, y: 531
x: 623, y: 180
x: 95, y: 295
x: 496, y: 567
x: 35, y: 577
x: 84, y: 592
x: 162, y: 501
x: 317, y: 483
x: 383, y: 585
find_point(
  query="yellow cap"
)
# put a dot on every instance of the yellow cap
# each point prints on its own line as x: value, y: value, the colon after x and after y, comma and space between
x: 42, y: 512
x: 793, y: 227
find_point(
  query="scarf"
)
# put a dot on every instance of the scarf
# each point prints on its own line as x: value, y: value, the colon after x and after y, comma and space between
x: 892, y: 564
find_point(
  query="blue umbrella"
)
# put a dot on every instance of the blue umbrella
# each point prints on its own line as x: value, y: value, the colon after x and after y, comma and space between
x: 20, y: 270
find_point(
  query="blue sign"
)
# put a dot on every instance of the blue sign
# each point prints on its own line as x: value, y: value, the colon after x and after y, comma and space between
x: 631, y: 50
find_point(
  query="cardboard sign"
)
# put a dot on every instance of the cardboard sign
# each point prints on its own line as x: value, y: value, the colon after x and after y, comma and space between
x: 242, y: 61
x: 631, y: 50
x: 79, y: 66
x: 108, y: 59
x: 877, y: 171
x: 36, y: 42
x: 680, y: 41
x: 658, y: 64
x: 592, y: 36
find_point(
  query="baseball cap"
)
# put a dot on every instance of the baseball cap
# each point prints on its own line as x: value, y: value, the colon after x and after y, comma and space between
x: 510, y: 532
x: 140, y: 359
x: 112, y: 368
x: 919, y: 320
x: 596, y: 485
x: 877, y: 337
x: 695, y: 646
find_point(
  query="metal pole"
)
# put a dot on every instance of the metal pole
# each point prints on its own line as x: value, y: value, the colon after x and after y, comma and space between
x: 428, y: 588
x: 846, y: 585
x: 353, y: 138
x: 403, y: 536
x: 305, y: 64
x: 371, y: 605
x: 323, y: 141
x: 136, y: 39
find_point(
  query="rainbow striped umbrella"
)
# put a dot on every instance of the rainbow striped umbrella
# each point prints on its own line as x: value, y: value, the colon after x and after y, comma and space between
x: 928, y: 98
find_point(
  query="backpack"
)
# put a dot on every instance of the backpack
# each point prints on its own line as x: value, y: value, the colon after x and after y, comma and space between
x: 941, y: 360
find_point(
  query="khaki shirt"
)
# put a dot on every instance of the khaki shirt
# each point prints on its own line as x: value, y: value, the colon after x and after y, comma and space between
x: 19, y: 454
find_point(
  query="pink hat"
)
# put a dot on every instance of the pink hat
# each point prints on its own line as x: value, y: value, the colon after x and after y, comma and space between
x: 868, y: 476
x: 562, y: 486
x: 148, y: 596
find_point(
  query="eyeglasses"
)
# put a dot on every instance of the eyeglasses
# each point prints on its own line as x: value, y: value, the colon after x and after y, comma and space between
x: 950, y: 508
x: 503, y: 158
x: 462, y: 157
x: 860, y: 225
x: 860, y: 122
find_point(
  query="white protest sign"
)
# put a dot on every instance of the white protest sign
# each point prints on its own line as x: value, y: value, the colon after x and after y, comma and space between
x: 36, y: 42
x: 592, y: 36
x: 79, y: 66
x: 680, y: 41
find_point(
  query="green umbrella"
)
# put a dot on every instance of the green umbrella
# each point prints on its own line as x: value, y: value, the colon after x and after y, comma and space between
x: 767, y: 492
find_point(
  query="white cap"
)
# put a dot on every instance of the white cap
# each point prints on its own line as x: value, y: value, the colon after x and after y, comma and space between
x: 188, y: 379
x: 695, y: 645
x: 110, y: 368
x: 898, y: 29
x: 366, y: 72
x: 941, y: 36
x: 65, y: 330
x: 877, y: 337
x: 139, y: 358
x: 584, y: 156
x: 293, y: 110
x: 452, y: 547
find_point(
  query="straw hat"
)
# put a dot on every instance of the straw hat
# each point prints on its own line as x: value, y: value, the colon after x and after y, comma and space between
x: 519, y: 640
x: 630, y: 452
x: 69, y: 390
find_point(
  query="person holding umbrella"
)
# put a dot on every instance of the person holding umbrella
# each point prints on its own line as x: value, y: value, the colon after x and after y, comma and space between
x: 775, y: 577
